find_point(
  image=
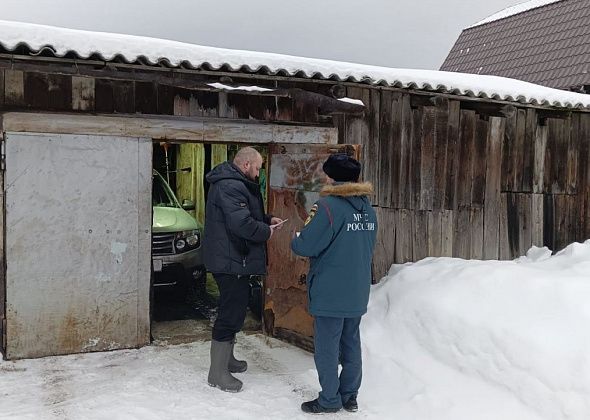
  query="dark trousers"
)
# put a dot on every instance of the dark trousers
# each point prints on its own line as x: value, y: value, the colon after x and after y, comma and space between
x: 233, y: 301
x: 337, y: 341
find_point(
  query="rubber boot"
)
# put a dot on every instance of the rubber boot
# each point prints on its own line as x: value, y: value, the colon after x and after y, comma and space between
x: 234, y: 365
x: 219, y: 376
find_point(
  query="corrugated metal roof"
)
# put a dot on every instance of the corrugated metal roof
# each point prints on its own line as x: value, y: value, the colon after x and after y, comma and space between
x: 548, y: 45
x: 31, y: 39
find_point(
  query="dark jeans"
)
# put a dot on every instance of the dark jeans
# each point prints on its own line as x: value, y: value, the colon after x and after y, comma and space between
x: 337, y: 341
x: 233, y: 301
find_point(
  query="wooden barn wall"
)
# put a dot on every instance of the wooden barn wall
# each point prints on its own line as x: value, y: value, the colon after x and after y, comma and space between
x: 461, y: 183
x: 451, y: 178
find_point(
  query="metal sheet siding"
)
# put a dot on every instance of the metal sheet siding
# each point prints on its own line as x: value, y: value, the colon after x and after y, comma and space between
x: 78, y: 214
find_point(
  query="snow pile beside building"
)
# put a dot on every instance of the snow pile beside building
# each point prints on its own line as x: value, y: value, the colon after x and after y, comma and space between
x: 453, y: 339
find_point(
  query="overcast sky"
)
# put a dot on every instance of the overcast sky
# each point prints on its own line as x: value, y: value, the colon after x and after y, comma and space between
x: 392, y: 33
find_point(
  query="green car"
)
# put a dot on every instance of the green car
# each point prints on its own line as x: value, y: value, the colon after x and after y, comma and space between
x: 176, y: 239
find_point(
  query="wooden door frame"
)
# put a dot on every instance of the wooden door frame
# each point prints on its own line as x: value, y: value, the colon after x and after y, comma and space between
x: 168, y: 128
x: 3, y: 342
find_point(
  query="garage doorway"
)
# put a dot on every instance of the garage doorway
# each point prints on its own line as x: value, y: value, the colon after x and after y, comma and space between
x: 184, y: 296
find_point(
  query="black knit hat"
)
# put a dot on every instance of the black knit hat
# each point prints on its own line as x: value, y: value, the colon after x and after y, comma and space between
x: 342, y: 168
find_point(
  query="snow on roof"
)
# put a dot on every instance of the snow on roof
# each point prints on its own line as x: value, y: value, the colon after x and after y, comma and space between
x: 514, y: 10
x: 130, y: 48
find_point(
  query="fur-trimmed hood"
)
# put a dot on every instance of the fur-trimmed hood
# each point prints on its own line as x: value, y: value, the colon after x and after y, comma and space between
x: 347, y: 189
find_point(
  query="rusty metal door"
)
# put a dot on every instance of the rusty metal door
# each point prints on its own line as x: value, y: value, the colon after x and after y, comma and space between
x: 295, y: 180
x: 78, y: 227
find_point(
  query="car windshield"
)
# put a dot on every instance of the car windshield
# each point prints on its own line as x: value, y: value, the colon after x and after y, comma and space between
x: 161, y: 194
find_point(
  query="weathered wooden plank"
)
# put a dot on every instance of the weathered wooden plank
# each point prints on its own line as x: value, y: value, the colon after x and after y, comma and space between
x: 166, y: 96
x: 513, y: 219
x: 476, y: 221
x: 415, y: 149
x: 561, y: 219
x: 181, y: 106
x: 104, y: 100
x: 206, y: 104
x: 478, y: 185
x: 453, y: 163
x: 123, y: 97
x: 403, y: 193
x: 284, y: 108
x: 539, y: 159
x: 396, y: 157
x: 83, y: 93
x: 504, y: 244
x: 173, y: 128
x: 36, y: 90
x: 462, y: 233
x: 537, y: 220
x: 305, y: 135
x: 371, y: 152
x: 14, y: 88
x: 584, y: 173
x: 573, y: 155
x: 228, y: 111
x: 357, y: 128
x: 518, y: 151
x: 529, y: 150
x: 60, y: 92
x: 525, y: 218
x: 386, y: 148
x: 493, y: 187
x: 466, y: 152
x: 556, y: 157
x: 427, y: 159
x: 447, y: 230
x: 420, y: 238
x: 548, y: 221
x: 339, y: 122
x: 508, y: 153
x: 435, y: 233
x: 304, y: 111
x: 146, y: 98
x: 403, y: 239
x: 441, y: 133
x: 384, y: 254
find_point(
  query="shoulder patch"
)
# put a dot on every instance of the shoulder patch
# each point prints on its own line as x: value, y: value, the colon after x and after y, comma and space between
x: 312, y: 212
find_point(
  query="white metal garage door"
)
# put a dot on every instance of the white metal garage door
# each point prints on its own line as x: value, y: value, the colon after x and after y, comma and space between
x: 78, y: 218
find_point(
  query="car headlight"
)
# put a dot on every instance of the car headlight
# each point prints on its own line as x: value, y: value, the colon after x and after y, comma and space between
x: 187, y: 239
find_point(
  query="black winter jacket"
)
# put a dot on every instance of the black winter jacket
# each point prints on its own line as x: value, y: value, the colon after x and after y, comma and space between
x: 236, y: 228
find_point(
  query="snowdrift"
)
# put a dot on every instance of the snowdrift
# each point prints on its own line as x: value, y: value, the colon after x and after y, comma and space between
x: 453, y: 339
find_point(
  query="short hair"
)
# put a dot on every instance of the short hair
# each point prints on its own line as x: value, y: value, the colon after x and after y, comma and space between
x: 246, y: 154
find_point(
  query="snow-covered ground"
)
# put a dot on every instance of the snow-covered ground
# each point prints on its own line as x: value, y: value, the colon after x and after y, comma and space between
x: 444, y: 339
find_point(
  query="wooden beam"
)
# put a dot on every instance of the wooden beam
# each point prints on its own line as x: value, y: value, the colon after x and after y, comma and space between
x: 169, y: 128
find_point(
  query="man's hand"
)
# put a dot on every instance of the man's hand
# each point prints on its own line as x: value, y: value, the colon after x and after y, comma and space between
x: 276, y: 221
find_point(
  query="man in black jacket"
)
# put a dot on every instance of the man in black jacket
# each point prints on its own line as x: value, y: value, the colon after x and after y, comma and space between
x: 236, y: 231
